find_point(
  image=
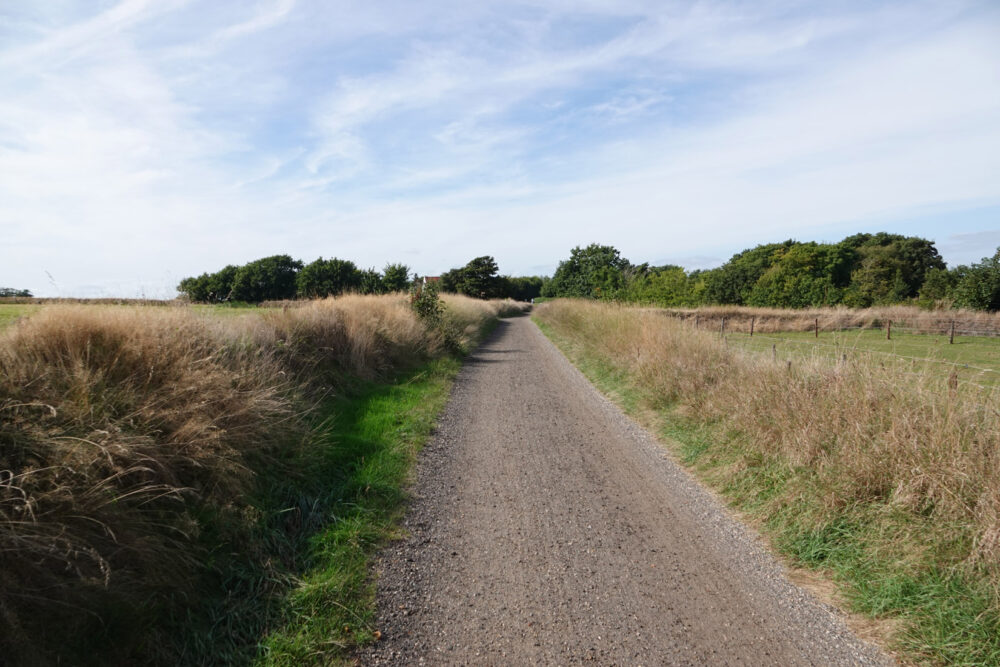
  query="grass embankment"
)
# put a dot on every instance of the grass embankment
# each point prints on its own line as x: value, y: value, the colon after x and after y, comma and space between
x: 179, y: 488
x: 887, y: 482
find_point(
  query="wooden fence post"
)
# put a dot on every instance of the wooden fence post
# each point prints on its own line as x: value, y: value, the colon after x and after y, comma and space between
x: 696, y: 318
x: 722, y: 328
x: 817, y: 327
x: 888, y: 330
x: 951, y: 336
x: 752, y: 321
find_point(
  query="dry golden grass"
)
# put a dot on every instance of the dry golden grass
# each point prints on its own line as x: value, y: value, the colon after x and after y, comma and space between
x: 120, y: 427
x: 864, y: 433
x: 886, y: 480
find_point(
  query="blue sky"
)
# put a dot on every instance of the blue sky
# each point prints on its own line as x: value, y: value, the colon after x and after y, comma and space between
x: 144, y: 141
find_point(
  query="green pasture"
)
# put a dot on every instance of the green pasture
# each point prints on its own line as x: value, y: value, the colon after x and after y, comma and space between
x: 225, y: 309
x: 11, y: 312
x: 974, y: 358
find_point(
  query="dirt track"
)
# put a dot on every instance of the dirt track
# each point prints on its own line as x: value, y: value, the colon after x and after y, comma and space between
x: 547, y: 528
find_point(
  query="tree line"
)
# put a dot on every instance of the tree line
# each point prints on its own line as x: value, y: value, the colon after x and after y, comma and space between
x: 860, y: 271
x: 280, y: 277
x: 481, y: 279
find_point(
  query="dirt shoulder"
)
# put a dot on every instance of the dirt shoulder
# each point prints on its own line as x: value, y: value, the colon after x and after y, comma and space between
x: 547, y: 528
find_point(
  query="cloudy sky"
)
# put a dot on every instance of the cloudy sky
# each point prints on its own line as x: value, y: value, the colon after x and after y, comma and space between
x: 144, y: 141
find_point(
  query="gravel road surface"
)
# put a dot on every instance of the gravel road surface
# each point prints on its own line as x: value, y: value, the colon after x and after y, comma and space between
x: 548, y: 528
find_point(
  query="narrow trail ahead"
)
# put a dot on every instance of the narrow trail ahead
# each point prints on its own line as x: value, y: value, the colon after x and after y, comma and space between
x: 547, y: 528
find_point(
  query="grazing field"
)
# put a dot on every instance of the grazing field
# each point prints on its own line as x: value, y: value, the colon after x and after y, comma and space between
x: 178, y: 487
x: 971, y: 358
x: 765, y: 320
x: 11, y: 312
x: 882, y: 477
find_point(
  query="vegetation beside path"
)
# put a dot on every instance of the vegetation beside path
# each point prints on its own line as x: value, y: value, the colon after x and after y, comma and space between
x: 182, y: 488
x: 883, y: 480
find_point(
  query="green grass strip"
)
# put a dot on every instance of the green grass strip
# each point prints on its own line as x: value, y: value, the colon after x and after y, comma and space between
x: 291, y: 584
x: 368, y: 445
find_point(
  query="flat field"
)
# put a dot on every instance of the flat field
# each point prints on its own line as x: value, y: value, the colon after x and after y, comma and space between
x: 10, y: 312
x: 973, y: 359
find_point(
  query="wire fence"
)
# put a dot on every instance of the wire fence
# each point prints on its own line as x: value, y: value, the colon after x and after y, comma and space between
x: 843, y: 348
x: 751, y: 324
x: 744, y: 334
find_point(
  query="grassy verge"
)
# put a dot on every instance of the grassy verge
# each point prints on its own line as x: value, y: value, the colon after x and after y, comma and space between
x: 905, y: 539
x: 373, y: 439
x: 179, y: 488
x: 293, y: 587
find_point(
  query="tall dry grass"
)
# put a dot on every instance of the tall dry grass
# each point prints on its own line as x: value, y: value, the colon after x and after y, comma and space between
x: 123, y: 428
x: 849, y: 437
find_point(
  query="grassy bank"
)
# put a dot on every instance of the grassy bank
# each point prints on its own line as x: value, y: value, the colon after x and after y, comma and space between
x: 888, y: 483
x: 181, y: 488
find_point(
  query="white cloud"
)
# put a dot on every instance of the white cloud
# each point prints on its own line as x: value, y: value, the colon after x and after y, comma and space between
x: 156, y: 140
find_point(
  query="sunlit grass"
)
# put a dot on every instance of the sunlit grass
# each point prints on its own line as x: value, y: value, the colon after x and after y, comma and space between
x: 170, y: 473
x: 882, y: 475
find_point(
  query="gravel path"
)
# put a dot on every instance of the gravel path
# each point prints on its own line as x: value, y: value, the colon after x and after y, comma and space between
x: 548, y: 528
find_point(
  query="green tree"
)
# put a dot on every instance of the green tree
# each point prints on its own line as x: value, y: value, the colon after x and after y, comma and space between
x: 938, y: 287
x: 979, y: 286
x: 396, y: 277
x: 596, y: 271
x: 805, y: 274
x: 732, y: 282
x: 878, y: 279
x: 269, y: 278
x: 327, y: 277
x: 220, y: 283
x: 450, y: 280
x: 210, y: 287
x: 10, y: 291
x: 195, y: 288
x: 888, y: 268
x: 370, y: 282
x: 479, y: 278
x: 521, y: 288
x: 666, y: 286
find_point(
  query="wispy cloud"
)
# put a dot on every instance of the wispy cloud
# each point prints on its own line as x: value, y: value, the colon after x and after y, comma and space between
x: 152, y: 140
